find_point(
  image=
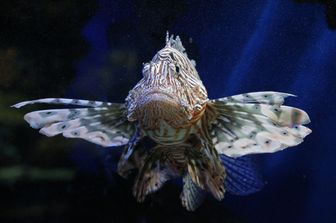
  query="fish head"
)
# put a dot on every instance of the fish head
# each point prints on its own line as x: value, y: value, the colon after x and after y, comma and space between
x: 170, y: 89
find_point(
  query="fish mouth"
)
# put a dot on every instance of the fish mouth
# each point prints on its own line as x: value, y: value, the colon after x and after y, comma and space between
x: 155, y: 105
x: 159, y: 93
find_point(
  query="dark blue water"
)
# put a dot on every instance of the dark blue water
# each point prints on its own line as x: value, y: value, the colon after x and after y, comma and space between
x: 239, y: 46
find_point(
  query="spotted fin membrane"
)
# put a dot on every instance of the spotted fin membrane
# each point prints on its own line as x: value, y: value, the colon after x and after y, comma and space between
x: 256, y: 123
x: 102, y: 123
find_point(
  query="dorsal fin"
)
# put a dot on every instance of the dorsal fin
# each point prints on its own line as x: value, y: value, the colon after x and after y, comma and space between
x: 175, y: 43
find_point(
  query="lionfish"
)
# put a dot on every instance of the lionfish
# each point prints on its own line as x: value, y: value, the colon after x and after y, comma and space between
x: 192, y: 137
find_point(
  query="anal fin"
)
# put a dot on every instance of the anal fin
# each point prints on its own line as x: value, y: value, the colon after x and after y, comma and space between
x: 206, y: 170
x: 192, y: 196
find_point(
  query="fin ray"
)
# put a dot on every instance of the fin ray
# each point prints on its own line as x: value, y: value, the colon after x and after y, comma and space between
x: 242, y: 178
x: 261, y: 97
x: 192, y: 196
x: 63, y: 101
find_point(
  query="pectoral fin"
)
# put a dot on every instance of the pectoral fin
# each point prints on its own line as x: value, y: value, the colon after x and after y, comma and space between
x: 102, y: 123
x: 256, y: 123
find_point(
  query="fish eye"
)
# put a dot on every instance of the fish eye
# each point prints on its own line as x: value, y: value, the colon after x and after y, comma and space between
x: 171, y: 56
x: 177, y: 69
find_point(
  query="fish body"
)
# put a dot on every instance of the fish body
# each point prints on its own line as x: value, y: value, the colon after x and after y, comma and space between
x: 189, y: 135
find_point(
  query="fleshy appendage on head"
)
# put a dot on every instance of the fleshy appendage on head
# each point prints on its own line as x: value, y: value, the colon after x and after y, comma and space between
x: 170, y: 89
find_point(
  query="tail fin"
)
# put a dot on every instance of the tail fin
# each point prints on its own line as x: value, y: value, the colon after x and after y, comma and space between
x: 104, y: 124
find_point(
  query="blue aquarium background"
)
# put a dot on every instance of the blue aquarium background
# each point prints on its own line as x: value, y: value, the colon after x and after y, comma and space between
x: 95, y: 49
